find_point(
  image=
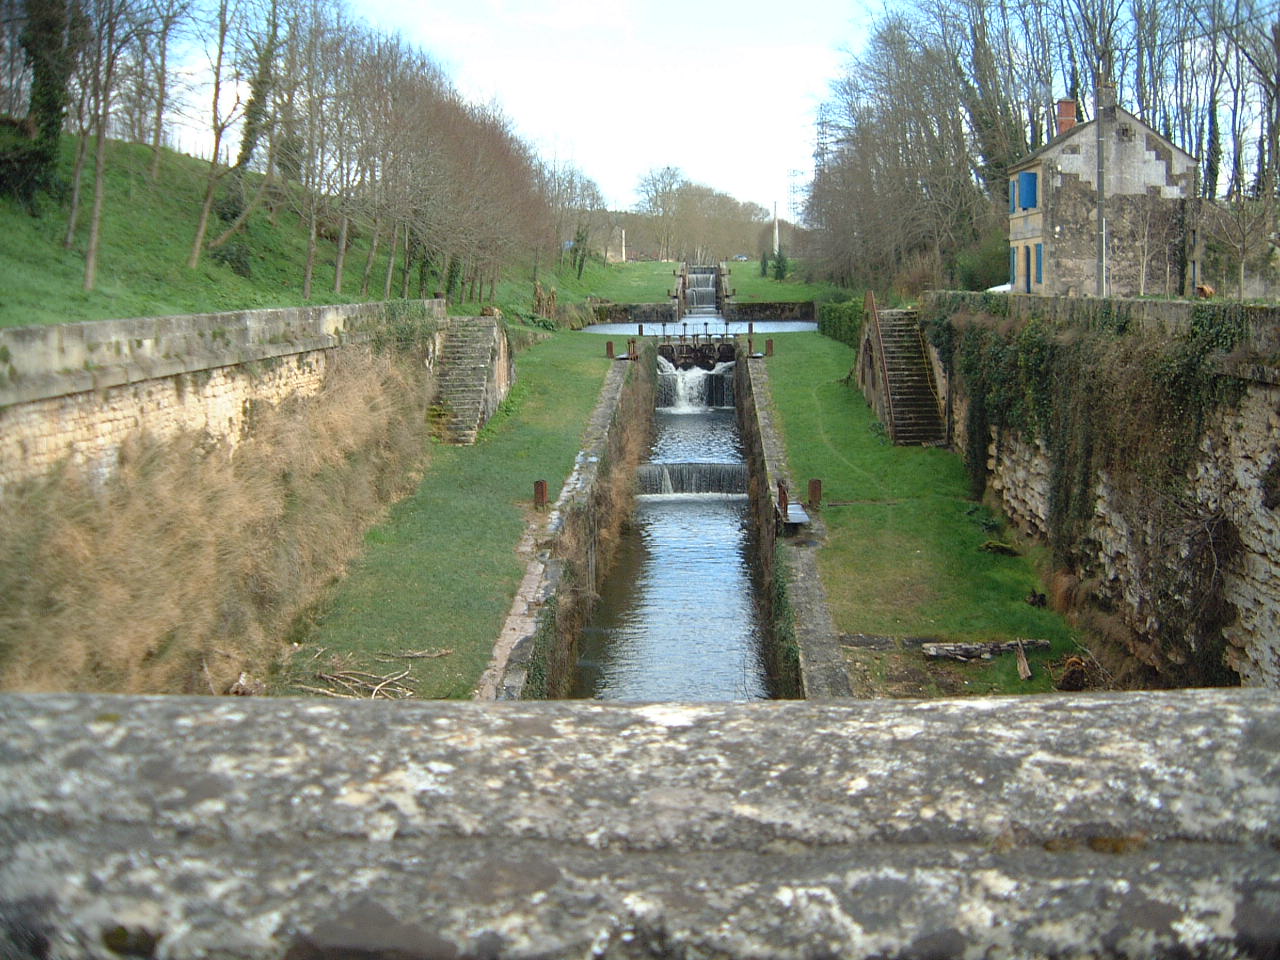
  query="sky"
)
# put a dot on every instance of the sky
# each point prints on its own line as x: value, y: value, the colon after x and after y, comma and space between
x: 725, y: 90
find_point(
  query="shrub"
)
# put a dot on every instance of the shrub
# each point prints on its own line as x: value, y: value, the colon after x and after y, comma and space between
x: 841, y: 321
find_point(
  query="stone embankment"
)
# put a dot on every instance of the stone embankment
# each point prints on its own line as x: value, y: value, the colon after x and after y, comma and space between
x: 1236, y: 474
x: 75, y: 392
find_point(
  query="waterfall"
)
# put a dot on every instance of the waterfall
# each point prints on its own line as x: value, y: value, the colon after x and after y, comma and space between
x: 700, y: 291
x: 668, y: 478
x: 695, y: 389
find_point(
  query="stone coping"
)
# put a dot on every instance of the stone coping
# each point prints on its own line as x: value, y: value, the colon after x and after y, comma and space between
x: 1173, y: 317
x: 1134, y: 825
x: 53, y: 360
x: 508, y: 670
x: 823, y: 671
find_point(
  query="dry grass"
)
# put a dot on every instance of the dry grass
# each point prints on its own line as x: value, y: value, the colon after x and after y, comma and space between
x: 190, y: 565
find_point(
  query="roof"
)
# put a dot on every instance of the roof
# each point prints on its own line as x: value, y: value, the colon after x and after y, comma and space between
x: 1061, y: 139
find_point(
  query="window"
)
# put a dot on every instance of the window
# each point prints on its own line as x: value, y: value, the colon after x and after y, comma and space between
x: 1013, y: 196
x: 1027, y: 190
x: 1039, y: 263
x: 1013, y: 266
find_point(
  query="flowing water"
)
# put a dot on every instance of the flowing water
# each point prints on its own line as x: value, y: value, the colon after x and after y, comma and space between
x: 676, y: 618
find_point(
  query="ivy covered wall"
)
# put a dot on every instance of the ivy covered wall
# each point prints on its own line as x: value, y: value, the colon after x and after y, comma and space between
x: 1145, y: 449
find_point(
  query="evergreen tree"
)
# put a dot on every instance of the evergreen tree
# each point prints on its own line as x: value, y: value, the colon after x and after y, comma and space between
x: 780, y: 265
x: 764, y: 263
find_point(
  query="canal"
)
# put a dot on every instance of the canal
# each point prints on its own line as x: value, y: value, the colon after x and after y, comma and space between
x: 677, y: 618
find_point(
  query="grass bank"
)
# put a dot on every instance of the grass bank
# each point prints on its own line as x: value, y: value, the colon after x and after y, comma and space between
x: 441, y: 572
x: 904, y: 553
x: 745, y: 279
x: 147, y: 230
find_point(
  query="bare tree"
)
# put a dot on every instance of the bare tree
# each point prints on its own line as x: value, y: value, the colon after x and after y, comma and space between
x: 117, y: 23
x: 219, y: 36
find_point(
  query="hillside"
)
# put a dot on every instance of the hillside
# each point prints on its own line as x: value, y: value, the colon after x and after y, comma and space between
x: 146, y: 236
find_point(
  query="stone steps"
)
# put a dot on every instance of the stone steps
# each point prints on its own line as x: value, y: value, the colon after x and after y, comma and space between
x: 916, y: 419
x: 465, y: 365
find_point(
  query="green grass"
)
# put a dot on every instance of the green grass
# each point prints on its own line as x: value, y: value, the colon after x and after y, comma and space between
x: 904, y: 553
x: 745, y: 279
x: 147, y: 233
x: 620, y: 282
x: 441, y: 572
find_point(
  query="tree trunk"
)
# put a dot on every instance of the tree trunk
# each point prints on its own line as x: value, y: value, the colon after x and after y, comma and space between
x: 77, y: 174
x: 368, y: 263
x: 391, y: 262
x: 408, y: 262
x: 309, y: 272
x: 340, y: 258
x: 202, y: 225
x: 99, y: 199
x: 161, y: 94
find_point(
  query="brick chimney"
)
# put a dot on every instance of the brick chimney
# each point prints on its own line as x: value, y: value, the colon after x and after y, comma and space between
x: 1066, y: 115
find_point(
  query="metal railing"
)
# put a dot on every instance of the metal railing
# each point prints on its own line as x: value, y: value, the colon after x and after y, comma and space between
x: 873, y: 317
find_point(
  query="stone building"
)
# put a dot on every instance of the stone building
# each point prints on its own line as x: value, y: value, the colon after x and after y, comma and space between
x: 1150, y: 187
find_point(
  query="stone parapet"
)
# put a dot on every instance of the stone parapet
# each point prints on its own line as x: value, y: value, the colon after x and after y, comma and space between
x: 1172, y: 317
x: 1136, y: 825
x: 58, y: 359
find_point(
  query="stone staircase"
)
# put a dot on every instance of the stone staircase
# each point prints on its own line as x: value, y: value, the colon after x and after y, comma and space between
x: 470, y: 347
x: 916, y: 419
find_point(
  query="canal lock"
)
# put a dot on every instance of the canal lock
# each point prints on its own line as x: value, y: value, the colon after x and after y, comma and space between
x: 669, y: 592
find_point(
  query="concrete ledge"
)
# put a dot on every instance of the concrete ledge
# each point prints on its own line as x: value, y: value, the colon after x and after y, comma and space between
x: 59, y: 359
x: 1110, y: 825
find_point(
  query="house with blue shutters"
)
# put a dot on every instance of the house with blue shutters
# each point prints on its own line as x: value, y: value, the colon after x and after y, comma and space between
x: 1149, y: 211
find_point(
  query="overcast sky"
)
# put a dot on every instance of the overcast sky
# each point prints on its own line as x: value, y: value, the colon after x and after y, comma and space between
x: 726, y: 90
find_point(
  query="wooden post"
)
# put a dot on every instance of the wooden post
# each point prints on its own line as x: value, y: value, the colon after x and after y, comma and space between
x: 540, y: 494
x: 815, y: 493
x: 608, y: 349
x: 768, y: 347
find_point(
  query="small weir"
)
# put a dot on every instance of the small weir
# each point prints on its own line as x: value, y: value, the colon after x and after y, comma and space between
x: 700, y: 290
x: 677, y: 619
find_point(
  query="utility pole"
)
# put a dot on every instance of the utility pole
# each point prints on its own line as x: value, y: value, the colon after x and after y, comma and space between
x: 1104, y: 109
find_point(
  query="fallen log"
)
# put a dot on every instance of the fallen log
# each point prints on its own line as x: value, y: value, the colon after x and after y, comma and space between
x: 978, y: 650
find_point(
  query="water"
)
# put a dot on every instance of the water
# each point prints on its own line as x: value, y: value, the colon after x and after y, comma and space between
x: 711, y: 325
x: 700, y: 294
x: 676, y: 618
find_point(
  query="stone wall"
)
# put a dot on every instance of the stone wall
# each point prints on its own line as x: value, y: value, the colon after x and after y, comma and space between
x: 1237, y: 452
x: 744, y: 311
x: 653, y: 313
x: 75, y: 392
x: 535, y: 654
x: 804, y: 656
x: 1236, y: 473
x: 1105, y: 826
x: 1171, y: 317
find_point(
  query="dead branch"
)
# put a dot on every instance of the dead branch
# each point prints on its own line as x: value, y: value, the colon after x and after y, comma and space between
x: 412, y: 655
x: 978, y: 650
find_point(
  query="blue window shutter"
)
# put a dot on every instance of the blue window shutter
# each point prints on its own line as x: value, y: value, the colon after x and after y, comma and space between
x: 1013, y: 265
x: 1039, y: 263
x: 1013, y: 196
x: 1027, y: 190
